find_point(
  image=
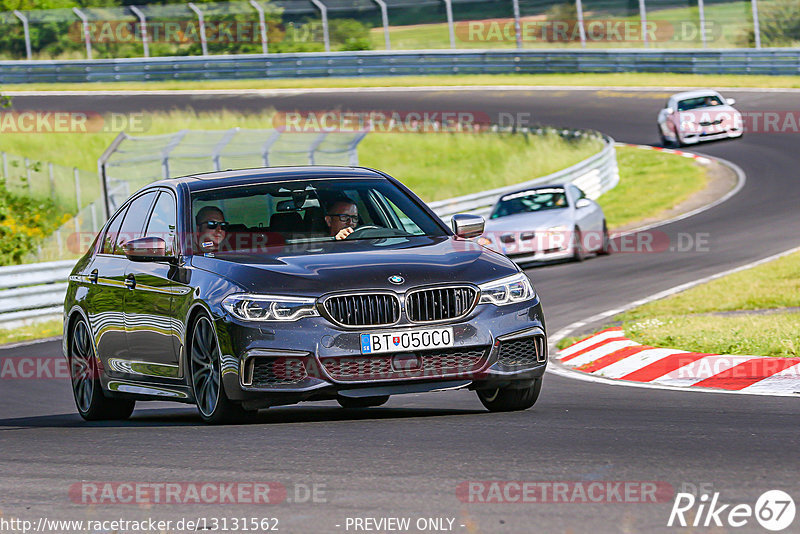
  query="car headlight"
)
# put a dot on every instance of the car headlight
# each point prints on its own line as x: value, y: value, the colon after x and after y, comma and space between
x: 249, y: 307
x: 508, y: 290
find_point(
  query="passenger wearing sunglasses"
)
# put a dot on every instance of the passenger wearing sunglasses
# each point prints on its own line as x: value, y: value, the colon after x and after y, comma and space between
x: 211, y: 229
x: 342, y: 218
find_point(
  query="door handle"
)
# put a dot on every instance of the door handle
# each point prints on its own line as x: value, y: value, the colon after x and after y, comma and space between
x: 130, y: 281
x: 93, y: 276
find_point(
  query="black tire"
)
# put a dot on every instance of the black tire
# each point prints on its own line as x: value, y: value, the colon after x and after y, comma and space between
x: 510, y: 400
x: 605, y: 248
x: 664, y: 142
x: 579, y: 254
x: 362, y: 402
x: 205, y: 377
x: 91, y: 402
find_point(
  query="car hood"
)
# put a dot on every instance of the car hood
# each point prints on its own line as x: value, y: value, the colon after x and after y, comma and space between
x: 524, y: 222
x: 361, y: 264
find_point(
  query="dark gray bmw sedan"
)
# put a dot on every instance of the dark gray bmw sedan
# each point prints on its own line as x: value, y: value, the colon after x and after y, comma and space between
x: 241, y: 290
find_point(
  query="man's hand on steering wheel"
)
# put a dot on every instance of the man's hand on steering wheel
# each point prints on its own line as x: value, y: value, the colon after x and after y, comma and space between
x: 343, y: 233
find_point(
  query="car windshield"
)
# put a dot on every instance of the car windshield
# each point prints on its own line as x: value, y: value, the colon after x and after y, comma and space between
x: 699, y: 102
x: 552, y: 198
x: 303, y: 212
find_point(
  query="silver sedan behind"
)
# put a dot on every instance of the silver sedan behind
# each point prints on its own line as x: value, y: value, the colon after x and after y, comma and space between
x: 550, y: 222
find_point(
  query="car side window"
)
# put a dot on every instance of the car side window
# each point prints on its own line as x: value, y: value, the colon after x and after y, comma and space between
x: 163, y: 221
x: 112, y: 232
x: 133, y: 224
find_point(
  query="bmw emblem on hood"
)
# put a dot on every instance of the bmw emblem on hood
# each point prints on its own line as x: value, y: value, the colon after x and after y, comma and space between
x: 397, y: 279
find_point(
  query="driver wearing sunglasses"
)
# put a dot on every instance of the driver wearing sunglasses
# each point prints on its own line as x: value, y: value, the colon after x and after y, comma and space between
x: 342, y: 218
x: 211, y: 228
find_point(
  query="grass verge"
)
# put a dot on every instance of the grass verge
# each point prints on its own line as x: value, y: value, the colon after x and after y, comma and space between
x: 440, y: 166
x: 630, y: 79
x: 435, y: 166
x: 752, y: 312
x: 31, y: 332
x: 650, y: 183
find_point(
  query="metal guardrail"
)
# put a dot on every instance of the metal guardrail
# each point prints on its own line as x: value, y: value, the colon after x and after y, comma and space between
x: 594, y: 175
x: 32, y: 292
x: 773, y: 61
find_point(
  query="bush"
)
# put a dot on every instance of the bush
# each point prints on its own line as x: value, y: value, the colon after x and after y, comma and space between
x: 780, y: 24
x: 24, y: 223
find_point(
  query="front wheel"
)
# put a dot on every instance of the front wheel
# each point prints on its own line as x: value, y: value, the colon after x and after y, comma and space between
x: 206, y: 377
x: 605, y: 248
x: 510, y: 400
x: 664, y: 142
x: 88, y: 392
x: 578, y: 252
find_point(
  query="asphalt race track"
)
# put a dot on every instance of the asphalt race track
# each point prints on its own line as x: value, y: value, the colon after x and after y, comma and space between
x: 407, y: 459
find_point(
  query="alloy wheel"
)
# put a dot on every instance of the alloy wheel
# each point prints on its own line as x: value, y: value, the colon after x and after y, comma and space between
x: 205, y: 368
x: 82, y: 367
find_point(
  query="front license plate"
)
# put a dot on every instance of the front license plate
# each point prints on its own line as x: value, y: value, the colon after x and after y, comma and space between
x: 406, y: 340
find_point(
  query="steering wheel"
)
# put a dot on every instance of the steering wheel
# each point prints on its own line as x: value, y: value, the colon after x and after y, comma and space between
x: 360, y: 230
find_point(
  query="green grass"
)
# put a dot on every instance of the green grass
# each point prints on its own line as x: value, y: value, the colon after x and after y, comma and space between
x: 81, y: 150
x: 628, y: 79
x: 772, y: 285
x: 760, y: 335
x: 650, y: 183
x: 41, y: 330
x: 440, y: 166
x: 435, y: 165
x: 691, y: 320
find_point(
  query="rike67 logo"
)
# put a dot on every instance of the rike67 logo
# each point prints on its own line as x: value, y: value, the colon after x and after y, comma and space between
x: 774, y: 510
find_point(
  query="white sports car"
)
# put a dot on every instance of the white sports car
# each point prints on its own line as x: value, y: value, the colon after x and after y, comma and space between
x: 694, y: 116
x: 544, y: 223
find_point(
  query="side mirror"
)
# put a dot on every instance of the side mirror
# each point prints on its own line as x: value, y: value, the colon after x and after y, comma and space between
x: 147, y: 249
x: 467, y: 226
x: 669, y: 111
x: 583, y: 203
x: 730, y: 101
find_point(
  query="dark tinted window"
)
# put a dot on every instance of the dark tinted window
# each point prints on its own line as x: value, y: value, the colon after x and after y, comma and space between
x: 163, y: 221
x: 302, y: 213
x: 699, y: 102
x: 549, y: 198
x: 111, y: 234
x: 133, y: 223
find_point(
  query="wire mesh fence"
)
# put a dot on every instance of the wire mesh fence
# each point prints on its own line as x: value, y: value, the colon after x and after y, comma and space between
x: 280, y: 26
x: 133, y: 162
x: 74, y: 193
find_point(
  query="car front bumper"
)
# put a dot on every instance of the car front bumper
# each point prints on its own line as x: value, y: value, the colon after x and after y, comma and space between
x: 692, y: 138
x: 273, y: 363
